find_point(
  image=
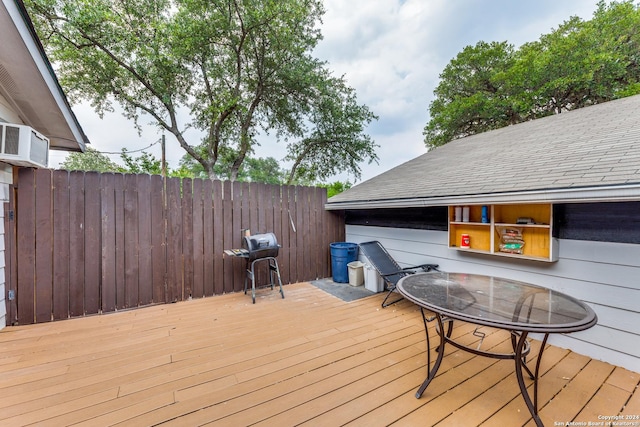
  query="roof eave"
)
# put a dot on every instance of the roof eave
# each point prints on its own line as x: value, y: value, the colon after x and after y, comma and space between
x: 76, y: 139
x: 612, y: 193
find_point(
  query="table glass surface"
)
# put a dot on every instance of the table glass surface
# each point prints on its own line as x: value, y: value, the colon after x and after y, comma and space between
x: 495, y: 301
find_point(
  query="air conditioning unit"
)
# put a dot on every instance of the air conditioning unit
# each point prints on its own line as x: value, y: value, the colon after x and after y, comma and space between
x: 22, y: 145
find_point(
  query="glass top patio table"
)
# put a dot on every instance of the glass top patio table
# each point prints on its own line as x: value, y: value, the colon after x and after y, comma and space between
x: 515, y: 306
x: 498, y: 302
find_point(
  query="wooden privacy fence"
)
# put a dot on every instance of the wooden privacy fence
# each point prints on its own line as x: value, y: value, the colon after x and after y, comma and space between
x: 87, y: 243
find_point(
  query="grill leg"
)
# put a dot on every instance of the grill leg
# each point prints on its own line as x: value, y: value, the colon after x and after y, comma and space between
x: 246, y: 278
x: 251, y: 273
x: 273, y: 268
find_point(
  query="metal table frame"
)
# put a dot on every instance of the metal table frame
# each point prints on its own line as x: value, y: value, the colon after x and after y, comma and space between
x: 519, y: 333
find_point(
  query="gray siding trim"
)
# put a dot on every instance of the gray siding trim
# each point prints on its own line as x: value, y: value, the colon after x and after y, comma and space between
x: 614, y: 193
x: 602, y: 274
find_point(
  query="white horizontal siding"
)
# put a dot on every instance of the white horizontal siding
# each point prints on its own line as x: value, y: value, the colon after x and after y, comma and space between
x: 6, y: 178
x: 604, y: 275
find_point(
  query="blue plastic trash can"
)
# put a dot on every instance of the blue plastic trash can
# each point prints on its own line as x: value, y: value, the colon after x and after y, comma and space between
x: 342, y: 253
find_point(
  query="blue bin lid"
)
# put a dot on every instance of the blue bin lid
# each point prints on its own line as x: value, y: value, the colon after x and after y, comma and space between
x: 343, y: 245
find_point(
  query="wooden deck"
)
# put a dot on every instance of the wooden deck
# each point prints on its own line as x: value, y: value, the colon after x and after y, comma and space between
x: 308, y: 359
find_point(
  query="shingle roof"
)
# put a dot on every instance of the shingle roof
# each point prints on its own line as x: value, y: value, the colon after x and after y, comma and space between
x: 595, y: 147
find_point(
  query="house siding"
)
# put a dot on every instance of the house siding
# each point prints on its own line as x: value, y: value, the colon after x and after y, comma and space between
x: 6, y: 178
x: 603, y: 274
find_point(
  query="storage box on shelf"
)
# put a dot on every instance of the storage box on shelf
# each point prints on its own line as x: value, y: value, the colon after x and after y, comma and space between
x: 537, y: 234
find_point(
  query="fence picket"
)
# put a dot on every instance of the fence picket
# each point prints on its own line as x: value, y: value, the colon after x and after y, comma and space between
x: 26, y: 233
x: 187, y: 237
x: 227, y: 233
x: 198, y: 240
x: 108, y: 241
x: 174, y: 241
x: 237, y: 189
x: 131, y: 243
x: 120, y: 241
x: 283, y: 235
x: 158, y: 241
x: 76, y: 237
x: 92, y: 245
x: 218, y: 238
x: 208, y: 238
x: 145, y: 263
x: 61, y: 235
x: 43, y: 260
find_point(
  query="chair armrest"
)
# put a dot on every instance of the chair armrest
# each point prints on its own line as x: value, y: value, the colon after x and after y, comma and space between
x: 423, y: 267
x: 429, y: 267
x: 410, y: 270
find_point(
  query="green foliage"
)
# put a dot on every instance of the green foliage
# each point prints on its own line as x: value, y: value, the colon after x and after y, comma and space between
x: 181, y: 172
x: 266, y: 170
x: 334, y: 139
x: 90, y: 160
x: 336, y: 187
x: 145, y: 163
x: 239, y: 68
x: 492, y: 85
x: 472, y: 96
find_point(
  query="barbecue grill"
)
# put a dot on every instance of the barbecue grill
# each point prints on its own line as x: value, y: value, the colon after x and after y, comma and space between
x: 261, y: 247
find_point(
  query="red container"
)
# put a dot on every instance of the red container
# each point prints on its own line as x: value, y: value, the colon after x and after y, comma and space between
x: 465, y: 241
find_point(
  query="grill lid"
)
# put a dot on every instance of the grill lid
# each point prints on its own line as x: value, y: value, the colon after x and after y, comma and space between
x: 261, y: 245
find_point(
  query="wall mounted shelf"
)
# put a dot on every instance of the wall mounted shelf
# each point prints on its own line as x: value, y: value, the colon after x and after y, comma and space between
x: 539, y: 243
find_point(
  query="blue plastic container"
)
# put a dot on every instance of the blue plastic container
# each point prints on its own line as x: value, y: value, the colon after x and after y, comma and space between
x: 342, y: 253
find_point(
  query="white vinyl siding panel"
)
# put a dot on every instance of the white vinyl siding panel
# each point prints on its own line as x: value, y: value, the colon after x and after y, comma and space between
x: 6, y: 177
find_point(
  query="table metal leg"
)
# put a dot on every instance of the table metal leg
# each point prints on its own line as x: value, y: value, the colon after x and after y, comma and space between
x: 531, y: 405
x: 535, y: 383
x: 514, y: 343
x: 431, y: 372
x: 520, y: 347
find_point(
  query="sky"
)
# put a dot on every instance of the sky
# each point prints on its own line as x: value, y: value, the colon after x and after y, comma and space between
x: 391, y: 52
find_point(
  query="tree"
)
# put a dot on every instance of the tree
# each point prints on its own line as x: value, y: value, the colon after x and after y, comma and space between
x: 336, y: 187
x: 265, y: 170
x: 334, y: 139
x: 90, y: 160
x: 471, y: 96
x: 237, y: 67
x: 580, y: 63
x: 144, y: 163
x: 259, y: 169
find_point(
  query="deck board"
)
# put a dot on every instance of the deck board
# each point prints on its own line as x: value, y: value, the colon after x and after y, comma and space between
x: 309, y: 359
x: 576, y: 394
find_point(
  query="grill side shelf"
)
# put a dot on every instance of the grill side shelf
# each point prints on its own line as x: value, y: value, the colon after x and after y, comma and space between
x: 236, y: 252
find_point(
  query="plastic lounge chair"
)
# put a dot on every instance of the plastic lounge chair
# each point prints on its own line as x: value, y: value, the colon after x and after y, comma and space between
x: 388, y: 268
